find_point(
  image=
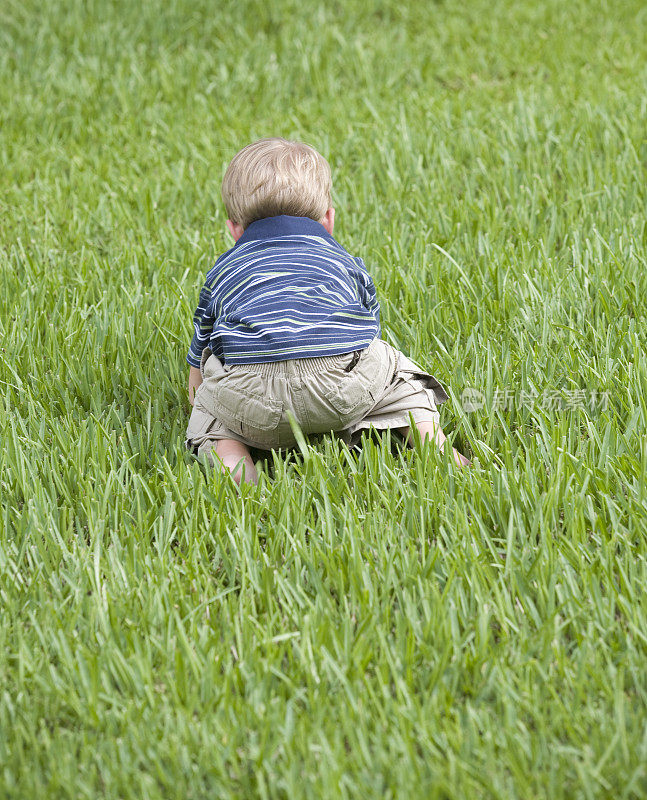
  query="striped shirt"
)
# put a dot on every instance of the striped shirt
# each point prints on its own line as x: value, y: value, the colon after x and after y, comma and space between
x: 286, y: 290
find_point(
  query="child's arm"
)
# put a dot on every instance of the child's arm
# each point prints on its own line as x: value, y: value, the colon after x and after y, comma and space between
x: 195, y: 379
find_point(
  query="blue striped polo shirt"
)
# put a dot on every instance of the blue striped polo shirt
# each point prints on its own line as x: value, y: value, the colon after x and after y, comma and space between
x: 286, y: 290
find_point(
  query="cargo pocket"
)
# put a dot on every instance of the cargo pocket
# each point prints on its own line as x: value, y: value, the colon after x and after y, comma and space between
x: 253, y: 416
x: 355, y: 391
x: 351, y: 399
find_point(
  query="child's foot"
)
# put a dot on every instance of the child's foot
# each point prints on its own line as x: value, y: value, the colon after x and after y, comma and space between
x: 460, y: 459
x: 433, y: 431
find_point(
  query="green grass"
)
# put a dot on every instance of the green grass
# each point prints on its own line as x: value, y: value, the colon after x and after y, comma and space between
x: 359, y: 625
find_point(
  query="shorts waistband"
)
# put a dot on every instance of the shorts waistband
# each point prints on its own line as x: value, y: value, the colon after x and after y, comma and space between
x: 296, y: 366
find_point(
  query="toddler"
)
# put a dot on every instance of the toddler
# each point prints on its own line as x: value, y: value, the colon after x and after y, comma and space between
x: 288, y: 324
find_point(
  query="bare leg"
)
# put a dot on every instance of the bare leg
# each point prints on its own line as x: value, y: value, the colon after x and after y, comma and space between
x: 234, y: 457
x: 430, y: 429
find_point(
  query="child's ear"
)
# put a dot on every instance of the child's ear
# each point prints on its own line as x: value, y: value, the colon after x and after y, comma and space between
x: 235, y: 229
x: 328, y: 220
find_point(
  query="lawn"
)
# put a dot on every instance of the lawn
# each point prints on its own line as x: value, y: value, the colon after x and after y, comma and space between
x: 361, y: 624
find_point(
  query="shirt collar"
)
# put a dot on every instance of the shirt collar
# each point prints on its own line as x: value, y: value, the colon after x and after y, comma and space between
x: 283, y: 225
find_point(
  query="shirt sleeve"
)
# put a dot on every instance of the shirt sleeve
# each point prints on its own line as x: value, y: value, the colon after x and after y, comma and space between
x: 367, y: 293
x: 203, y: 322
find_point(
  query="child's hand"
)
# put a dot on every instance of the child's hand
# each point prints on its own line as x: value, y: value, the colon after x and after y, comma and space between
x: 195, y: 380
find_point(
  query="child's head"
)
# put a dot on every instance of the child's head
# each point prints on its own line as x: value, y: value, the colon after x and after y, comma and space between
x: 276, y: 176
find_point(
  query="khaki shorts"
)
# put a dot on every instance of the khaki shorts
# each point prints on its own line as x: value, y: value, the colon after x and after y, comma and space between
x: 378, y: 387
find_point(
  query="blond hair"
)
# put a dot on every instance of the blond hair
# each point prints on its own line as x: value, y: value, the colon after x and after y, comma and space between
x: 276, y: 176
